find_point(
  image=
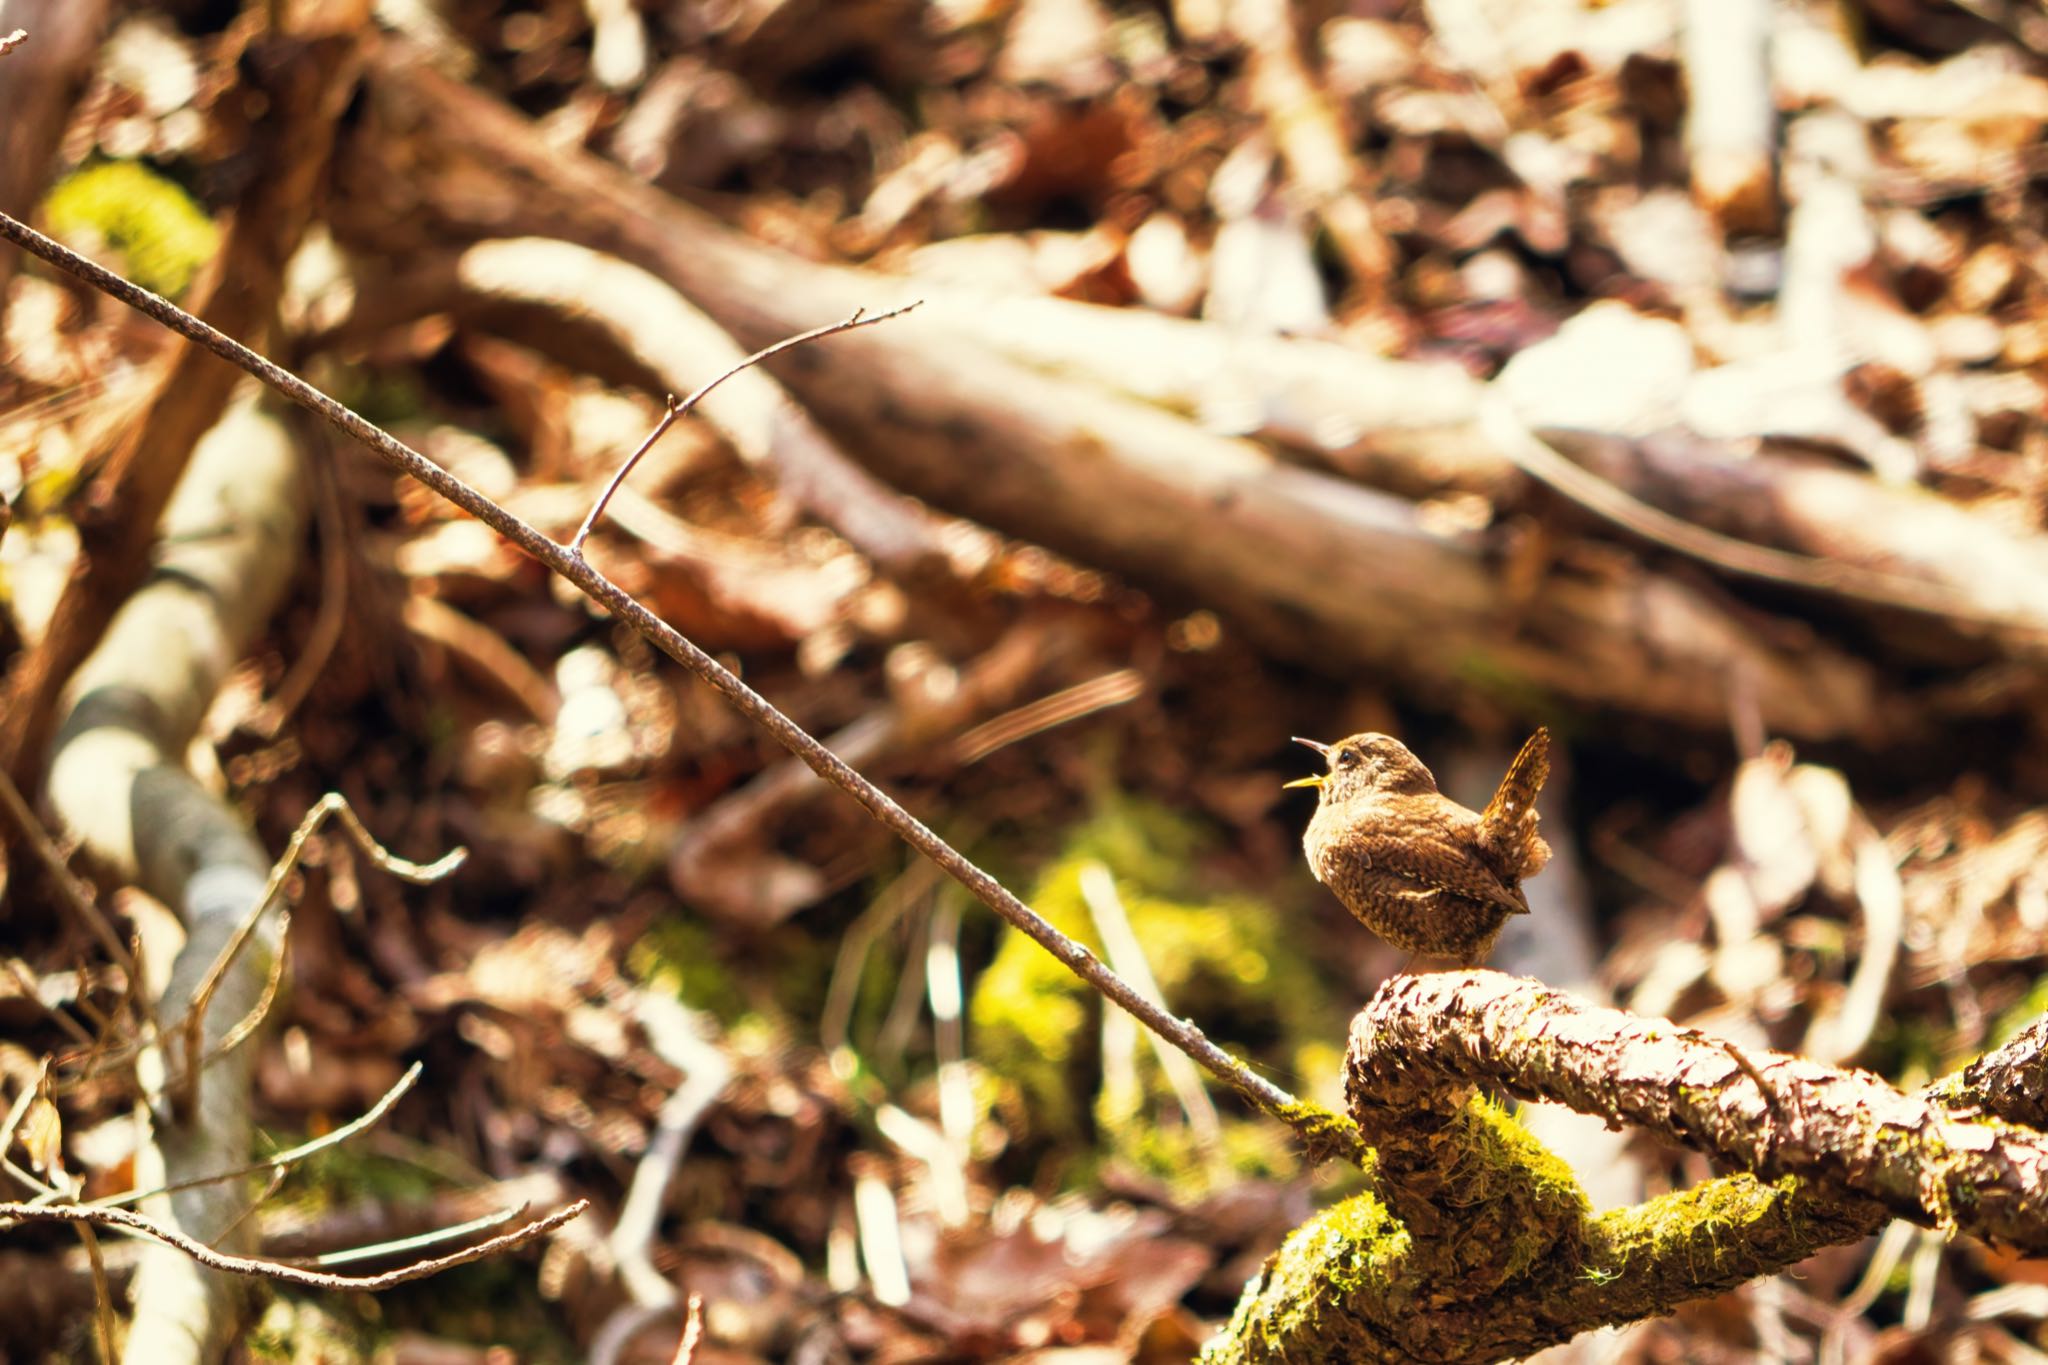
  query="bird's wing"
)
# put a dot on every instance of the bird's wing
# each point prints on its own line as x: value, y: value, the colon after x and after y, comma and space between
x: 1430, y: 859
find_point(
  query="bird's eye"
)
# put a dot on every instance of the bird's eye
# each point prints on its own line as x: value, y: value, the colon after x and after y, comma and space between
x: 1348, y: 758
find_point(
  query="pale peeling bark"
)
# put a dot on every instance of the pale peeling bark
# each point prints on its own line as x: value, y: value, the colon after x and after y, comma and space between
x: 118, y: 781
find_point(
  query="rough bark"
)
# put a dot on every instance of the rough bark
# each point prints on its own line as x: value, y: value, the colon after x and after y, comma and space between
x: 1475, y: 1244
x: 2010, y: 1081
x: 1425, y: 1039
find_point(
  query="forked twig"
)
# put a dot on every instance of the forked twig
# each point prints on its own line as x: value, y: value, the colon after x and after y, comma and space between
x: 332, y: 804
x: 1327, y: 1135
x: 677, y: 410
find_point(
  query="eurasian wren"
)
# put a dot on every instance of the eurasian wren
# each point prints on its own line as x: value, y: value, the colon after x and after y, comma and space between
x: 1421, y: 871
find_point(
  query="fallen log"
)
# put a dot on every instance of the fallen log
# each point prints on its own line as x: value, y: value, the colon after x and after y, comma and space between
x: 1310, y: 566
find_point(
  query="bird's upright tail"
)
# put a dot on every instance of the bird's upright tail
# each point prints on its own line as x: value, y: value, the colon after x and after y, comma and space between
x: 1507, y: 827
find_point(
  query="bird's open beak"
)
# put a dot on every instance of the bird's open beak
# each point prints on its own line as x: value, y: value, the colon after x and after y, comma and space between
x: 1317, y: 780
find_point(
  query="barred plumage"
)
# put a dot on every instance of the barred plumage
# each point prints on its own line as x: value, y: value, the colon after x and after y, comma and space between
x: 1418, y: 869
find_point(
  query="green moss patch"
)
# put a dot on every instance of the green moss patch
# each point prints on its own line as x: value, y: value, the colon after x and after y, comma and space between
x: 161, y: 232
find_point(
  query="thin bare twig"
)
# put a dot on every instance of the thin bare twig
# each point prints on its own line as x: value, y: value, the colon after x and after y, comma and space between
x: 332, y: 615
x: 334, y: 804
x: 101, y: 1020
x: 277, y: 1270
x: 478, y: 648
x: 1032, y: 718
x: 102, y: 1292
x: 31, y: 832
x: 279, y: 1160
x: 249, y: 1206
x: 32, y: 989
x: 676, y: 410
x: 417, y: 1240
x: 1326, y: 1137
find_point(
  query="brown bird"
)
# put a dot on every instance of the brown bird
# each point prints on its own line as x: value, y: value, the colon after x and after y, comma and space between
x: 1417, y: 868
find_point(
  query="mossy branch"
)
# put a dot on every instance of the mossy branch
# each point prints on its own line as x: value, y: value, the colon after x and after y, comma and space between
x: 1493, y: 1252
x: 1476, y: 1244
x: 1424, y: 1040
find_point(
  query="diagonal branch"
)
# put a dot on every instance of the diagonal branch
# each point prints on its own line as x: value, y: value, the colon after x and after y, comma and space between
x: 1326, y: 1134
x: 677, y: 410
